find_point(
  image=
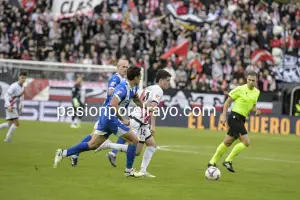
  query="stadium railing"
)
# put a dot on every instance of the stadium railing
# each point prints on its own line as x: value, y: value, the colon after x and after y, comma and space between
x: 10, y: 68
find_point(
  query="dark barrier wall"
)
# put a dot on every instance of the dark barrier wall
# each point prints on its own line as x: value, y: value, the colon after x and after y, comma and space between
x: 269, y: 124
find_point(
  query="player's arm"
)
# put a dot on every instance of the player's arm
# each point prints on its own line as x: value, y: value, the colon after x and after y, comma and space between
x: 119, y: 94
x: 255, y: 110
x: 156, y: 97
x: 113, y: 84
x: 225, y: 109
x: 233, y: 95
x: 7, y: 97
x: 138, y: 101
x: 154, y: 104
x: 110, y: 91
x: 115, y: 106
x: 21, y: 102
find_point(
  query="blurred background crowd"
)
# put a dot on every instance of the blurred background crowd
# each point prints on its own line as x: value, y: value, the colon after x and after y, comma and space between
x: 218, y: 52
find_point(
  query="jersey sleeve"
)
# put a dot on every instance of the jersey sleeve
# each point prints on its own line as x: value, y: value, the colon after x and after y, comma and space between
x: 156, y: 96
x: 120, y: 92
x: 8, y: 96
x: 235, y: 93
x: 115, y: 80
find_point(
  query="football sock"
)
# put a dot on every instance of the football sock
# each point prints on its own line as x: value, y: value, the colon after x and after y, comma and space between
x: 119, y: 147
x: 238, y: 148
x: 120, y: 141
x: 81, y: 147
x: 131, y: 151
x: 4, y: 125
x: 222, y: 148
x: 147, y: 158
x: 86, y: 139
x: 10, y: 131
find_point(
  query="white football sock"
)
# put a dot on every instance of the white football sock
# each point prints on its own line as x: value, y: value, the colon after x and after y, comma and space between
x: 4, y: 125
x: 119, y: 147
x: 147, y: 158
x: 64, y: 154
x: 10, y: 131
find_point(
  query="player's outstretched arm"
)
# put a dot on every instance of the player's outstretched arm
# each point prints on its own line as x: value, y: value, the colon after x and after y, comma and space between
x: 153, y: 118
x: 225, y: 108
x: 138, y: 101
x: 255, y: 110
x: 115, y: 106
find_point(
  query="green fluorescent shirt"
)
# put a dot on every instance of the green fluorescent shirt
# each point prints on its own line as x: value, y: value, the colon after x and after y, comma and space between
x: 244, y: 99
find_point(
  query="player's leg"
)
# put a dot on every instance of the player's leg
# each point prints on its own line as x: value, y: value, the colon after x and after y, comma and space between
x: 222, y: 148
x: 78, y: 116
x: 229, y: 139
x: 74, y: 125
x: 239, y: 131
x: 14, y: 125
x: 148, y: 154
x: 121, y: 130
x: 131, y: 153
x: 237, y: 149
x: 113, y: 154
x: 12, y: 118
x: 120, y: 145
x: 97, y: 139
x: 74, y: 158
x: 5, y: 125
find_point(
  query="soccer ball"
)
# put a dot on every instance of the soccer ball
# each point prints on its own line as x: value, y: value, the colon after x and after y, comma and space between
x: 213, y: 173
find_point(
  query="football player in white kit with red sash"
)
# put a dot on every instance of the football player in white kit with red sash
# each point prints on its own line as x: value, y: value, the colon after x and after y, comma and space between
x: 13, y: 105
x: 143, y: 123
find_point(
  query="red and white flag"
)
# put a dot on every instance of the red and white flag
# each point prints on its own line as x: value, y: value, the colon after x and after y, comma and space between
x: 261, y: 55
x: 180, y: 50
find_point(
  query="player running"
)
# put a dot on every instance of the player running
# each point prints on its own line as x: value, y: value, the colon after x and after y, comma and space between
x: 245, y: 98
x: 78, y: 99
x: 13, y: 105
x: 139, y: 122
x: 122, y: 67
x: 110, y: 122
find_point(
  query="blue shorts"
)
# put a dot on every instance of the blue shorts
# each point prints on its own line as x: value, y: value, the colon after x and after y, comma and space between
x: 108, y: 125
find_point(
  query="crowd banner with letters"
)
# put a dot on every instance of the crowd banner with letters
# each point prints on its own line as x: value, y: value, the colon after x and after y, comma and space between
x: 95, y: 92
x: 69, y: 8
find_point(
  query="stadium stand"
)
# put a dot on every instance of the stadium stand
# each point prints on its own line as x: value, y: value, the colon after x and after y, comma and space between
x: 212, y: 57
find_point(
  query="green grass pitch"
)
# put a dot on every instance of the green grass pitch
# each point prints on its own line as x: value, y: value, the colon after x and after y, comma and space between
x: 268, y: 169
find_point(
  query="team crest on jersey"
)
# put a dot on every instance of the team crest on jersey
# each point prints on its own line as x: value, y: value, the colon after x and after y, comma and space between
x: 119, y: 92
x: 113, y: 83
x: 157, y: 96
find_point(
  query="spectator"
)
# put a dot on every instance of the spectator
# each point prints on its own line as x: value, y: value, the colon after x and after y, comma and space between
x: 181, y: 77
x: 171, y: 70
x: 219, y: 50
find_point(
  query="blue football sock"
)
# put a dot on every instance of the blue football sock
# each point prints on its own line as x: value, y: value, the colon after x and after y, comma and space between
x: 120, y: 141
x: 81, y: 147
x: 86, y: 139
x: 131, y: 151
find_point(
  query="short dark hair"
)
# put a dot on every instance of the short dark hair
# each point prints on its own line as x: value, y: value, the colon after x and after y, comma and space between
x: 251, y: 73
x: 162, y: 74
x: 133, y: 72
x: 23, y: 74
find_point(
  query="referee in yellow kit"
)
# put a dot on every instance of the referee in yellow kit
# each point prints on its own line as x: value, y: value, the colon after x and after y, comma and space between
x: 245, y: 98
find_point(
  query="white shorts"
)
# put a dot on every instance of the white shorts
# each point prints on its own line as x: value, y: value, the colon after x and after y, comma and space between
x: 11, y: 115
x: 141, y: 131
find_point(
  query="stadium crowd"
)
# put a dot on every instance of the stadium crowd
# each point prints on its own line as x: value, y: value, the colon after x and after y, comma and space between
x: 142, y: 31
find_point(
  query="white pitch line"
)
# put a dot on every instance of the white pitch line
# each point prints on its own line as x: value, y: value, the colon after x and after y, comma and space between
x: 167, y: 148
